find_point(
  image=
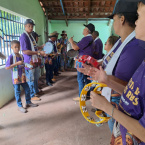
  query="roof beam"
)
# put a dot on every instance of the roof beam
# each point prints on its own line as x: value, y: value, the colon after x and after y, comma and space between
x: 64, y: 12
x: 77, y: 17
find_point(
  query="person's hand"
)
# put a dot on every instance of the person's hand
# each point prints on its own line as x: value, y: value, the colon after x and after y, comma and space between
x: 98, y: 75
x: 98, y: 101
x: 85, y: 69
x: 19, y: 62
x: 42, y: 53
x: 71, y: 40
x: 42, y: 46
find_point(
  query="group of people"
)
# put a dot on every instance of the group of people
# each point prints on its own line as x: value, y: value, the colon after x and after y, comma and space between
x: 25, y: 68
x: 122, y: 69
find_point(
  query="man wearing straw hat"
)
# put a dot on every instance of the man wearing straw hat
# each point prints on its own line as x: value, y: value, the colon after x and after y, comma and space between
x: 50, y: 59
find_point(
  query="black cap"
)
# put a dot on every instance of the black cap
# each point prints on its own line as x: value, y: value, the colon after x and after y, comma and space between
x: 143, y: 1
x: 29, y: 21
x: 91, y: 27
x: 124, y: 6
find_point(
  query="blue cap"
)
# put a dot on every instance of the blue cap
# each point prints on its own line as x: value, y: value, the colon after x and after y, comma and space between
x: 29, y: 21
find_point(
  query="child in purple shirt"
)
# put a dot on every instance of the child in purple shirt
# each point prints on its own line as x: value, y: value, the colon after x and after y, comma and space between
x: 15, y: 63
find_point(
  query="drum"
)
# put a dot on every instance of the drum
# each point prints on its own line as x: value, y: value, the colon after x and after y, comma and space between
x: 71, y: 52
x: 2, y: 56
x: 48, y: 48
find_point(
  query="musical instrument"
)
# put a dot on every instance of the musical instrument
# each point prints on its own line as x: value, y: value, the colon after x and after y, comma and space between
x: 89, y: 60
x: 83, y: 107
x: 48, y: 48
x: 93, y: 62
x: 59, y: 47
x: 71, y: 52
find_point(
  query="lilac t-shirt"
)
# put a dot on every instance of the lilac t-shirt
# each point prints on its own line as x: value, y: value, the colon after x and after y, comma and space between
x: 86, y: 46
x: 98, y: 49
x: 20, y: 68
x: 26, y: 45
x: 130, y: 59
x: 132, y: 103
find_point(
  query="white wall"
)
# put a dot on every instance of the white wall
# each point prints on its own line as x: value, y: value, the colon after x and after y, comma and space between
x: 6, y: 87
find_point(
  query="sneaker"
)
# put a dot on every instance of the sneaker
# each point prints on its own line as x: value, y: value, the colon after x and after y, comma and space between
x: 35, y: 99
x: 21, y: 109
x: 53, y: 80
x: 76, y: 99
x: 49, y: 84
x: 31, y: 105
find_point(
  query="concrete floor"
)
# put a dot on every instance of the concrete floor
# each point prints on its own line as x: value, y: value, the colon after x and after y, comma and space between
x: 57, y: 120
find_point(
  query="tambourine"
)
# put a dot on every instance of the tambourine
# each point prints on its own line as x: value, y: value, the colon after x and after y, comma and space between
x: 89, y: 61
x: 48, y: 48
x: 83, y: 107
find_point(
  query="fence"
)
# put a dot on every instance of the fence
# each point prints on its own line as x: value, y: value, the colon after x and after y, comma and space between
x: 11, y: 27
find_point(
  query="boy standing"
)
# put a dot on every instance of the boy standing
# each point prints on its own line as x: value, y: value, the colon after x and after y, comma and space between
x: 15, y: 63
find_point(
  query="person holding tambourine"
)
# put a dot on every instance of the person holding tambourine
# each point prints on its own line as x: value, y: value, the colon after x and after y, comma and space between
x: 50, y: 50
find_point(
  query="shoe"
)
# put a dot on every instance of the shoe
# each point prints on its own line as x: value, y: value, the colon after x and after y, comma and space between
x: 49, y: 84
x: 58, y: 73
x: 35, y: 99
x: 76, y: 99
x: 53, y: 80
x: 21, y: 109
x: 31, y: 105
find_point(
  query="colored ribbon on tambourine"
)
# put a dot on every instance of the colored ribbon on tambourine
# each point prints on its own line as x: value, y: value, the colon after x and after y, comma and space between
x: 83, y: 107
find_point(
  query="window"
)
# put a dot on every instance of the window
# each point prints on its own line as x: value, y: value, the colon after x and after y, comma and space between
x: 11, y: 28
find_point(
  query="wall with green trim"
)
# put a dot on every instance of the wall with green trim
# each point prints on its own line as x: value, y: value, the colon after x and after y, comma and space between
x: 30, y: 9
x: 75, y: 28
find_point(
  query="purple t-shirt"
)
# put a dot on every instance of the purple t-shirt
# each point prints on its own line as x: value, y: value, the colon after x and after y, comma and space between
x: 20, y: 68
x: 86, y: 46
x: 132, y: 103
x: 98, y: 49
x: 26, y: 45
x: 130, y: 59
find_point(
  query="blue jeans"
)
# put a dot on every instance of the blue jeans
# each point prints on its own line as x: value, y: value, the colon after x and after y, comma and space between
x: 30, y: 81
x: 111, y: 121
x: 18, y: 93
x: 36, y: 78
x: 49, y: 72
x: 81, y: 78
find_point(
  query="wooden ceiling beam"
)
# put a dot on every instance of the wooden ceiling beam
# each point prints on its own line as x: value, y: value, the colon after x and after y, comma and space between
x: 77, y: 17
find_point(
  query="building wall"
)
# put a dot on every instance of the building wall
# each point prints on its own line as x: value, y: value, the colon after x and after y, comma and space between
x: 30, y: 9
x: 75, y: 28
